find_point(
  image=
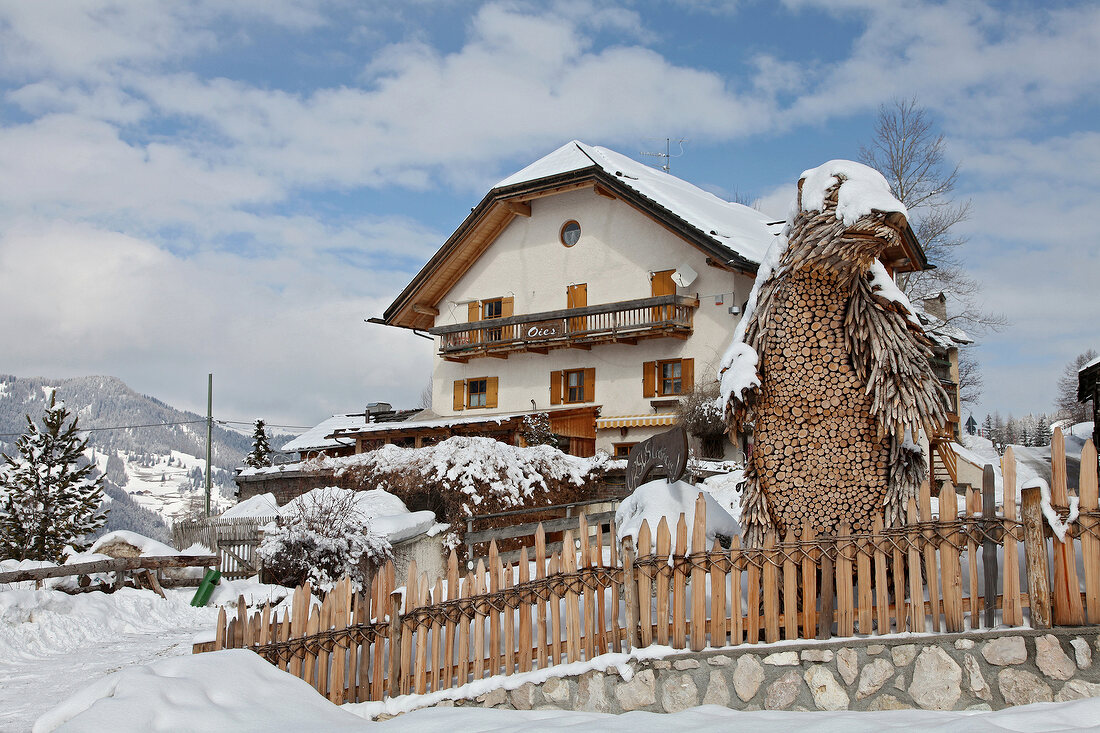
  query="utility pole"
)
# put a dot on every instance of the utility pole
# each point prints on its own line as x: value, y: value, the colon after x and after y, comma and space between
x: 209, y: 433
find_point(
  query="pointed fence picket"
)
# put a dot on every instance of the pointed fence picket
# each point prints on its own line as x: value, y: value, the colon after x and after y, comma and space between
x: 682, y: 588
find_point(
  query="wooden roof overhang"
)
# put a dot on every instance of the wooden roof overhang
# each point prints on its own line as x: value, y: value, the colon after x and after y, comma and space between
x: 418, y: 304
x: 909, y: 256
x: 511, y: 423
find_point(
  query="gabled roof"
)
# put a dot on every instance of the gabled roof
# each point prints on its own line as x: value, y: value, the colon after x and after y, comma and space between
x: 316, y: 438
x: 733, y: 236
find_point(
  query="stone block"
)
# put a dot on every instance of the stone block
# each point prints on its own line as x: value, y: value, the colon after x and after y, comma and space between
x: 523, y: 697
x: 903, y: 654
x: 1083, y: 653
x: 1005, y: 650
x: 888, y: 702
x: 873, y: 649
x: 719, y: 660
x: 592, y: 693
x: 817, y: 655
x: 557, y: 690
x: 873, y: 676
x: 1052, y: 660
x: 782, y: 659
x: 847, y: 664
x: 975, y: 680
x: 827, y: 692
x: 492, y: 698
x: 936, y: 681
x: 748, y: 675
x: 640, y: 692
x: 1020, y: 687
x: 685, y: 664
x: 964, y: 643
x: 718, y: 692
x: 783, y: 692
x: 1077, y: 690
x: 678, y: 692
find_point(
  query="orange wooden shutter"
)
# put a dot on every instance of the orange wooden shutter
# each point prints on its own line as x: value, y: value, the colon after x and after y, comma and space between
x: 649, y: 379
x: 590, y: 384
x: 661, y: 283
x: 474, y: 310
x: 491, y: 392
x: 576, y: 296
x: 687, y: 376
x: 507, y: 308
x: 460, y: 394
x: 555, y: 388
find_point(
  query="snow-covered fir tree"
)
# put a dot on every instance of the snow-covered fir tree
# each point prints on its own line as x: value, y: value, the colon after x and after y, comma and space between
x: 260, y: 455
x: 49, y: 496
x: 537, y: 431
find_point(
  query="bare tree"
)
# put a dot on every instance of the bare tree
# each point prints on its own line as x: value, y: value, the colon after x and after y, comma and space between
x: 425, y: 400
x: 908, y: 150
x: 1066, y: 402
x: 970, y: 378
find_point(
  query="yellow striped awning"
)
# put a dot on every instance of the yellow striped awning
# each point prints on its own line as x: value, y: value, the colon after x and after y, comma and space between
x: 634, y: 421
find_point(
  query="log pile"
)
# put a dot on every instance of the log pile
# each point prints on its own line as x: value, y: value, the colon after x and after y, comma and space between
x: 845, y: 378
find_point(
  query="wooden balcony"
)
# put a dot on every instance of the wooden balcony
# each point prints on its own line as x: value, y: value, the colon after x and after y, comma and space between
x: 627, y: 321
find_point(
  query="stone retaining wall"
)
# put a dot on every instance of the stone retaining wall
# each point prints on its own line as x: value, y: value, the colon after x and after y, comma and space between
x: 946, y: 672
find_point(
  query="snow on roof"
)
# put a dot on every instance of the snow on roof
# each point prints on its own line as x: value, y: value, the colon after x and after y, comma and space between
x: 314, y: 438
x: 260, y: 505
x: 387, y: 513
x: 1092, y: 363
x: 942, y: 333
x: 743, y: 230
x: 429, y: 419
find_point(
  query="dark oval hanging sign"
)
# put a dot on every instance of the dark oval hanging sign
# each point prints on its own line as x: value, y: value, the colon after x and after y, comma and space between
x: 668, y: 449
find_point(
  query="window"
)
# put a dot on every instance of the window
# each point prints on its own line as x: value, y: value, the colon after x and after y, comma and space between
x: 570, y: 233
x: 476, y: 393
x: 668, y: 378
x: 670, y: 382
x: 492, y: 309
x: 622, y: 450
x: 573, y: 386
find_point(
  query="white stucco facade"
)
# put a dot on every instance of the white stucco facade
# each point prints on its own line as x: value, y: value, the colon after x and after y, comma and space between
x: 618, y: 250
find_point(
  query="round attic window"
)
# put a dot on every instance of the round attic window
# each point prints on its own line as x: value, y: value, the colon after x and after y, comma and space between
x: 570, y: 233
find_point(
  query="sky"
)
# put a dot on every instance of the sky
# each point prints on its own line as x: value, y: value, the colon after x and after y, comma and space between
x: 194, y: 187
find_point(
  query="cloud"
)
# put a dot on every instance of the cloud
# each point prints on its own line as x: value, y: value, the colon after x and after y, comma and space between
x: 284, y: 338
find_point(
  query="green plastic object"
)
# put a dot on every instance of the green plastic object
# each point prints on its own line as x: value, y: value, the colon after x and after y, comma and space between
x: 206, y: 588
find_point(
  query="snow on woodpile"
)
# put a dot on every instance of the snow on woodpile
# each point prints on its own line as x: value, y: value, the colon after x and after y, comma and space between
x: 123, y: 543
x: 659, y: 499
x: 233, y: 689
x: 863, y: 190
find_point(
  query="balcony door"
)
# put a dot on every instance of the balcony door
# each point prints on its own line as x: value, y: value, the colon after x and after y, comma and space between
x: 661, y: 284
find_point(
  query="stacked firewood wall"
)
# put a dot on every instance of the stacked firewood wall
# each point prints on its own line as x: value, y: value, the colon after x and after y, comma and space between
x: 814, y: 415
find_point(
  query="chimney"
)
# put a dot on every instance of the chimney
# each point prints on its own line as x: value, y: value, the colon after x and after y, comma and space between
x: 936, y: 306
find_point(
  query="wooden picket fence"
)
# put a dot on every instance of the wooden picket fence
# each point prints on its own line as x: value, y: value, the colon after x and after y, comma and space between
x: 234, y: 539
x: 554, y: 608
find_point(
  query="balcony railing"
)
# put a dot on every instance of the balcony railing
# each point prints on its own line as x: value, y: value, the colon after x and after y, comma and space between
x: 626, y: 321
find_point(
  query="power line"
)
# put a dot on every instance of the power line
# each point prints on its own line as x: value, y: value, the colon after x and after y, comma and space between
x: 119, y: 427
x: 266, y: 424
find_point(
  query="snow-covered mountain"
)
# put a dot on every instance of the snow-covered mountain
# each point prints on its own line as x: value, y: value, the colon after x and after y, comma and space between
x: 159, y: 467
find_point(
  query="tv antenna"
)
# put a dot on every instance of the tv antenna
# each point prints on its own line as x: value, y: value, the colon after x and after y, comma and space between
x: 667, y: 156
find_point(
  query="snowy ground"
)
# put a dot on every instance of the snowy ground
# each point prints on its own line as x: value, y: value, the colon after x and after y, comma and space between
x: 53, y: 644
x: 122, y: 662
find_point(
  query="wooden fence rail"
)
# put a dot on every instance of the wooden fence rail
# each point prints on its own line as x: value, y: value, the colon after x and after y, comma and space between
x: 670, y: 587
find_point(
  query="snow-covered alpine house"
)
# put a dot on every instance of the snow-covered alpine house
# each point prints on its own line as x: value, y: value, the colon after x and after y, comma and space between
x: 588, y: 286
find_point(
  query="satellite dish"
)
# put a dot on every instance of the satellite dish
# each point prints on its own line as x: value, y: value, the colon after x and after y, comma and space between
x: 684, y: 276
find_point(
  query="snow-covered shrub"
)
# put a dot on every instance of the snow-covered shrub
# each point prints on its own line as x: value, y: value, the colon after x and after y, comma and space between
x: 537, y: 431
x: 321, y: 537
x: 463, y: 476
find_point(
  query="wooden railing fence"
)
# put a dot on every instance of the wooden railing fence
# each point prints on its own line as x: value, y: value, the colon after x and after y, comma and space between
x: 553, y: 608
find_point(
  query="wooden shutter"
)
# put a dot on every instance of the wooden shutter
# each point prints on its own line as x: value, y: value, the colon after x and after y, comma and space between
x: 491, y: 392
x: 576, y: 296
x: 661, y: 283
x: 590, y: 384
x: 555, y: 387
x: 474, y: 310
x: 687, y: 376
x: 649, y: 379
x: 507, y: 308
x: 460, y: 394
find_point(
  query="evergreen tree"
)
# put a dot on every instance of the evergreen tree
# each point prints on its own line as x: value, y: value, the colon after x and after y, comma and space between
x: 49, y: 496
x: 260, y: 456
x: 987, y: 427
x: 536, y: 430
